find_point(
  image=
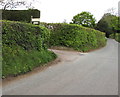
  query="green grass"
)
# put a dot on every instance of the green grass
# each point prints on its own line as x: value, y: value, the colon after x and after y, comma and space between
x: 18, y: 61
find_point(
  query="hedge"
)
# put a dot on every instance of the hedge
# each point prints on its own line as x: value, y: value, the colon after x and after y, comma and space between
x: 23, y: 47
x: 20, y: 15
x: 75, y: 36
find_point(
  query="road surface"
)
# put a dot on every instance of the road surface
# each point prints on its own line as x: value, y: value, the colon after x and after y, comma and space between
x: 93, y: 73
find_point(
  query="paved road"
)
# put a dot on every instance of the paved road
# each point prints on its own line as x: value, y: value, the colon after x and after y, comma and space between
x: 93, y: 73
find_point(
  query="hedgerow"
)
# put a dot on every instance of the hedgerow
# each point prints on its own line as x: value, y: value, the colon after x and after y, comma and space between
x: 23, y: 47
x: 75, y: 36
x: 20, y: 15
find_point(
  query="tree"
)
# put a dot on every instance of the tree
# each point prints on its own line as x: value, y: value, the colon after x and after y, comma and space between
x: 102, y: 25
x: 85, y: 19
x: 109, y: 24
x: 11, y: 4
x: 5, y: 4
x: 112, y: 11
x: 115, y: 24
x: 64, y: 21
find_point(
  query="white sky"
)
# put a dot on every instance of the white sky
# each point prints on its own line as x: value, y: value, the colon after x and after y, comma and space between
x: 53, y: 11
x: 58, y: 10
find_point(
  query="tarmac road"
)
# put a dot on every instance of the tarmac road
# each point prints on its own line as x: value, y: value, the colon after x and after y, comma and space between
x: 93, y: 73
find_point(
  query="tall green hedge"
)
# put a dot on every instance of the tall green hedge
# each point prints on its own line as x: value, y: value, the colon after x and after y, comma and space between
x: 20, y: 15
x: 23, y: 47
x: 75, y: 36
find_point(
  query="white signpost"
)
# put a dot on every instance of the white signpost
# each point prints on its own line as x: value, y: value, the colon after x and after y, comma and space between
x: 35, y: 21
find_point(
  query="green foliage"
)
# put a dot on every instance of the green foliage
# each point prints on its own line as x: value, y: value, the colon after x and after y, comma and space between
x: 85, y: 19
x: 115, y: 24
x: 16, y: 60
x: 25, y: 35
x: 20, y: 15
x: 23, y: 47
x: 115, y: 36
x: 108, y: 24
x: 75, y: 36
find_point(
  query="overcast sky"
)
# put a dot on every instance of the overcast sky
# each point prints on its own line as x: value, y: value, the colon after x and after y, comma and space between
x: 58, y: 10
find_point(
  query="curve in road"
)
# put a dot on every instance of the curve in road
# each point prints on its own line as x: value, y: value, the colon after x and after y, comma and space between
x: 93, y: 73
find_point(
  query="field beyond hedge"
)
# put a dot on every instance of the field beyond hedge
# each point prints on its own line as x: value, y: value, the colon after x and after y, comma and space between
x: 23, y: 47
x: 75, y: 36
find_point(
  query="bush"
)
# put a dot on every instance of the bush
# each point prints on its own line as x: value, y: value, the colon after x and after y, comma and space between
x: 23, y: 47
x: 116, y: 36
x: 75, y: 36
x: 25, y: 35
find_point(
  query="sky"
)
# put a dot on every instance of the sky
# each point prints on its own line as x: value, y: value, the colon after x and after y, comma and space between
x: 57, y: 11
x: 53, y: 11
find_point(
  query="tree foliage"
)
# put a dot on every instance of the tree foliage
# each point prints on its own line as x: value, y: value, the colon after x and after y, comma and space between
x: 5, y: 4
x: 109, y: 24
x: 85, y: 19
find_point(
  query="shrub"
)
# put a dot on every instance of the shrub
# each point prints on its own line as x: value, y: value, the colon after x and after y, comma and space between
x: 75, y: 36
x: 23, y: 47
x: 25, y: 35
x: 116, y: 36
